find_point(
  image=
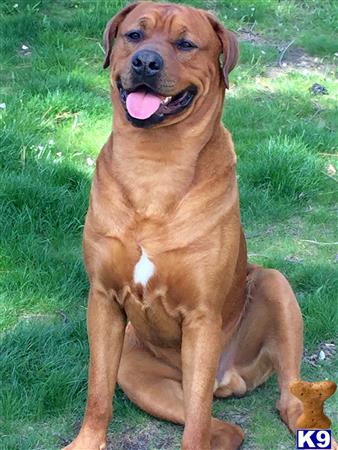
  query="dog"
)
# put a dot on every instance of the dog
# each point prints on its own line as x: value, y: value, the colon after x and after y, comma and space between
x: 176, y: 314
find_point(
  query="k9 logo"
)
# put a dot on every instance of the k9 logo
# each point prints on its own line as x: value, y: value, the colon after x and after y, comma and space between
x: 313, y: 439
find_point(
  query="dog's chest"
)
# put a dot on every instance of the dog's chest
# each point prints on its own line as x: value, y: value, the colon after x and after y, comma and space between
x: 147, y: 304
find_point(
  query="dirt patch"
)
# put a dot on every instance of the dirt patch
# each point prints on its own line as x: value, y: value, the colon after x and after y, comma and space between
x: 296, y: 58
x: 290, y: 57
x: 240, y: 418
x: 325, y: 351
x: 154, y: 435
x: 249, y: 36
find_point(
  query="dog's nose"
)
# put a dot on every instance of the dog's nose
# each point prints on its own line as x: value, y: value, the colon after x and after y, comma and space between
x: 147, y: 63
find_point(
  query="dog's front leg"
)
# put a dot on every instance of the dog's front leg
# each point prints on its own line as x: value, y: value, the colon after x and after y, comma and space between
x: 200, y: 355
x: 106, y: 326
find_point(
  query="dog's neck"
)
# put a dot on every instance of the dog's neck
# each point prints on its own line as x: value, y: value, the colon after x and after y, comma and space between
x: 157, y: 166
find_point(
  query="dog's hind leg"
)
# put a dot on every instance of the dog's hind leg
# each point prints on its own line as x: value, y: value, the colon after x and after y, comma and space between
x: 286, y: 341
x: 149, y: 382
x: 156, y: 387
x: 270, y: 339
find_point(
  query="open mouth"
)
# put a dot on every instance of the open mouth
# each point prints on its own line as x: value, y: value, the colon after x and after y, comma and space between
x: 144, y: 106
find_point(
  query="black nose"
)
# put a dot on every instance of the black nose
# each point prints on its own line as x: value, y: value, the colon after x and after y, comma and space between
x: 147, y: 63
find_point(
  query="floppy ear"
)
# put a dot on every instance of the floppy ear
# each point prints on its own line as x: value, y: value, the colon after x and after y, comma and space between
x: 229, y: 45
x: 110, y: 32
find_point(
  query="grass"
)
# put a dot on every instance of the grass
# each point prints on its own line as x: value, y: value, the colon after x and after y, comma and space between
x: 56, y: 117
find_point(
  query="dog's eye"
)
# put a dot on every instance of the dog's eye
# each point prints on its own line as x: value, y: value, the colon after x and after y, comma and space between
x: 135, y: 35
x: 183, y: 44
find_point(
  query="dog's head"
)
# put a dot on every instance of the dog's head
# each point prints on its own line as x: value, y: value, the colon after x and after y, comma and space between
x: 165, y: 60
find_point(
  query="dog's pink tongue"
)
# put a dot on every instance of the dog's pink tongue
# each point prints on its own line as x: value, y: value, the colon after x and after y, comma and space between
x: 142, y: 105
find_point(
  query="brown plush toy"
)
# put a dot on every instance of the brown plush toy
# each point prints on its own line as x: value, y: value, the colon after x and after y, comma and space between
x: 313, y: 396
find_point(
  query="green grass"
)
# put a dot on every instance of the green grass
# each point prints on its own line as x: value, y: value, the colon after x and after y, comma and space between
x: 58, y: 115
x: 311, y: 23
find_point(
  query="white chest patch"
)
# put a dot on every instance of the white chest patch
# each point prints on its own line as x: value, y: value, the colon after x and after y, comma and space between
x: 144, y: 269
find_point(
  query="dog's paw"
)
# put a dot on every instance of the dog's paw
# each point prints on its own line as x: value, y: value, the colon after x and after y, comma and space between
x: 290, y: 409
x: 85, y: 444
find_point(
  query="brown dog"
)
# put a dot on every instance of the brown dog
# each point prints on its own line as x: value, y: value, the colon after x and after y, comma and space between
x: 175, y: 313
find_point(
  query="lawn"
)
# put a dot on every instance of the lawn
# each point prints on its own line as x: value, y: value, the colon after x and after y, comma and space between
x: 55, y: 114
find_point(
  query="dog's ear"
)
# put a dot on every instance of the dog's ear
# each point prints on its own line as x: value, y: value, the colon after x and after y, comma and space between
x: 110, y: 32
x: 230, y: 48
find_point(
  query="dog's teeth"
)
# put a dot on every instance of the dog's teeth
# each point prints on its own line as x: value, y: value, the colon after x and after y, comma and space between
x: 166, y: 100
